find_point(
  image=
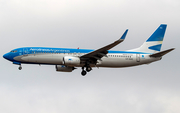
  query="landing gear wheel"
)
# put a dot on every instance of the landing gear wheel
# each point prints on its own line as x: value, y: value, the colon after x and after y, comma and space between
x: 20, y: 68
x: 88, y: 69
x: 83, y: 73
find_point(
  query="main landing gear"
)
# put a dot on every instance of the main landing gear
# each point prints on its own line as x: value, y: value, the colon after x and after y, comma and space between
x: 88, y: 69
x: 83, y: 73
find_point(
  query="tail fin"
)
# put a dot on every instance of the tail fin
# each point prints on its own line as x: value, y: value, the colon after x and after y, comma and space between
x: 154, y: 42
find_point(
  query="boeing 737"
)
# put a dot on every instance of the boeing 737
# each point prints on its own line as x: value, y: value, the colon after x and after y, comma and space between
x: 66, y: 59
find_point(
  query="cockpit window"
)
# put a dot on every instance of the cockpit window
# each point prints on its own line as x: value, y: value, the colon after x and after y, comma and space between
x: 14, y: 51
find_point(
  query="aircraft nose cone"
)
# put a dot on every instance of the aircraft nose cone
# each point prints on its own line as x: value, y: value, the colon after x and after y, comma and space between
x: 6, y: 56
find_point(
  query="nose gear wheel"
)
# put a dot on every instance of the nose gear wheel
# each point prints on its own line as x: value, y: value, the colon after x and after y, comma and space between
x: 20, y: 67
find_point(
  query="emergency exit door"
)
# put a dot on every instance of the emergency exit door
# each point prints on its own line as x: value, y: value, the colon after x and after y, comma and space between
x: 138, y: 57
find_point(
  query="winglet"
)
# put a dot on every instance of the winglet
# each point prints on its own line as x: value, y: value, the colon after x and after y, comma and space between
x: 124, y: 35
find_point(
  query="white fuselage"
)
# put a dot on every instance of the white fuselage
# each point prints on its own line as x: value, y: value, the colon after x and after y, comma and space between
x: 112, y: 60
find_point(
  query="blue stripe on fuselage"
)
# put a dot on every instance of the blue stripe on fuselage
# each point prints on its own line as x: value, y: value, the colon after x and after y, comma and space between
x: 69, y: 50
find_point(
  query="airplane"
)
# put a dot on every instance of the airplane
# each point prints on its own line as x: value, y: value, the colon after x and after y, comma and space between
x: 68, y: 59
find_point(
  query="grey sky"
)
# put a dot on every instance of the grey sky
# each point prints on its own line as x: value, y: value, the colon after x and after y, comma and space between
x: 89, y: 24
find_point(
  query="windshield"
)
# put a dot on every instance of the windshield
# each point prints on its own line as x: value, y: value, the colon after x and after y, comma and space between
x: 14, y: 51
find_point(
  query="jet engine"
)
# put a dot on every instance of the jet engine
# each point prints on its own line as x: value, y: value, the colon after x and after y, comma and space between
x: 64, y: 68
x: 71, y: 61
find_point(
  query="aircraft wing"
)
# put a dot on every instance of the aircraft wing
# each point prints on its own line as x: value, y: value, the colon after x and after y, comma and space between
x: 99, y: 53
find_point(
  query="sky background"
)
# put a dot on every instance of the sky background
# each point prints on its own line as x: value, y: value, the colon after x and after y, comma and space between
x: 89, y: 24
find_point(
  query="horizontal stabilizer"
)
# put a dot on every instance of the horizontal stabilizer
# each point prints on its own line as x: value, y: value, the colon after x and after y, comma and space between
x: 160, y: 54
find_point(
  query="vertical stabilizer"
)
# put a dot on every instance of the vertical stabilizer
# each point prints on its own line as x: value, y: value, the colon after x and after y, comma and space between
x: 154, y: 42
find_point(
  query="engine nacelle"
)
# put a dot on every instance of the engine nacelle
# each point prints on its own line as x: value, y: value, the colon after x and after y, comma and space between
x: 72, y: 61
x: 64, y: 68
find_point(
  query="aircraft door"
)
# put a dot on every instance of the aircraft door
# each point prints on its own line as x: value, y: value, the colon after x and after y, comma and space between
x: 25, y: 51
x: 138, y: 57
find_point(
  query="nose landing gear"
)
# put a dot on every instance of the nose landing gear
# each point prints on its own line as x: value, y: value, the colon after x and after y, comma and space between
x: 20, y: 67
